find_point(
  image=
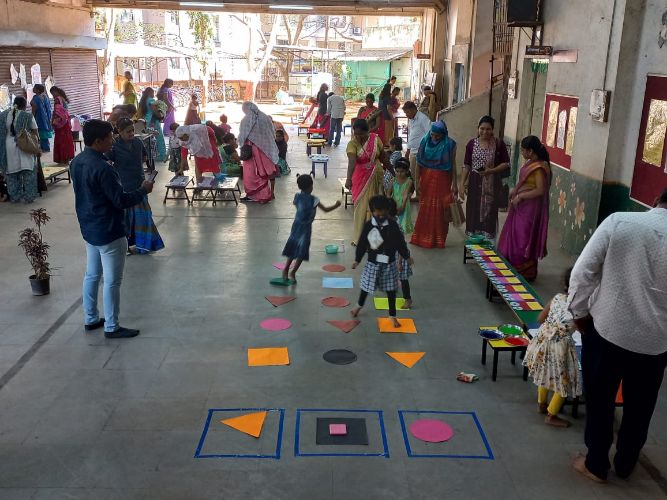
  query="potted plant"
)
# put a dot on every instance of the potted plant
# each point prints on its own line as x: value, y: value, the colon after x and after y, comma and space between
x: 37, y: 252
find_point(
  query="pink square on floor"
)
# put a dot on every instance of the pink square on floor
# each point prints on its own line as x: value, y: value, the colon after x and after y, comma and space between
x: 337, y: 429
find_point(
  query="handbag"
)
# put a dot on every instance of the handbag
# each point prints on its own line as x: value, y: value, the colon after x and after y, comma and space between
x: 28, y: 142
x: 246, y: 152
x: 457, y: 215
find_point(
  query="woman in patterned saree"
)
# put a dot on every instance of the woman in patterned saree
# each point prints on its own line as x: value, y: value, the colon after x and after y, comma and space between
x: 523, y: 240
x: 365, y: 160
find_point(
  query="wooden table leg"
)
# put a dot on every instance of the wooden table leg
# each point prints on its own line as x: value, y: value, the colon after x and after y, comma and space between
x: 525, y: 373
x: 484, y: 351
x: 494, y: 372
x: 514, y: 357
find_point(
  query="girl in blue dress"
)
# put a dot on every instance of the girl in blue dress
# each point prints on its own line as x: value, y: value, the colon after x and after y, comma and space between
x: 298, y: 245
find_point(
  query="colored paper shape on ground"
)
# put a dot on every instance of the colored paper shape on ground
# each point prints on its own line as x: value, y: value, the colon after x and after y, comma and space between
x: 333, y: 268
x: 339, y: 357
x: 279, y: 300
x: 329, y: 282
x: 282, y: 282
x: 408, y: 359
x: 335, y: 302
x: 431, y: 431
x: 356, y: 431
x: 250, y: 424
x: 346, y: 326
x: 386, y: 325
x: 268, y: 356
x: 382, y: 303
x: 275, y: 324
x: 337, y: 429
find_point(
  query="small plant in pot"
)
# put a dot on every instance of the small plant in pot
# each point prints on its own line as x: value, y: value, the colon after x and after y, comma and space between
x: 37, y: 252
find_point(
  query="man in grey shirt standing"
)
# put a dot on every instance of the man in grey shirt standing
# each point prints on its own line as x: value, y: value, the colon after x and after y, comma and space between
x: 418, y: 126
x: 335, y: 109
x: 618, y: 294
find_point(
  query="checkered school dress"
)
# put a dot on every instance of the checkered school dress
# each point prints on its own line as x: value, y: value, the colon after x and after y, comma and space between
x: 376, y: 276
x: 404, y: 268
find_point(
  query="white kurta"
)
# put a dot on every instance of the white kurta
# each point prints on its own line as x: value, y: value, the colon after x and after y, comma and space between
x: 17, y: 160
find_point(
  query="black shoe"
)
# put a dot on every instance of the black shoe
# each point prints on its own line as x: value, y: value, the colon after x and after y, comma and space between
x: 122, y: 333
x: 94, y: 326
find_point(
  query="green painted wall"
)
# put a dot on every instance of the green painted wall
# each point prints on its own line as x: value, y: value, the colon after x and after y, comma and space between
x: 366, y: 75
x: 616, y: 198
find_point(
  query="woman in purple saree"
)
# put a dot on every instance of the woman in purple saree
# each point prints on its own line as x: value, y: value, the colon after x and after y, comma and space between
x: 523, y: 240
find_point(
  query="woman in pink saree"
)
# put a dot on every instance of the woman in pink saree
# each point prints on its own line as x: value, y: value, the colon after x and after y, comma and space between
x: 365, y: 161
x: 523, y: 240
x: 260, y: 170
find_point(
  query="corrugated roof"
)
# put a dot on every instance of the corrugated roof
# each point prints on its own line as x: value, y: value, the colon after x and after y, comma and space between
x: 375, y: 54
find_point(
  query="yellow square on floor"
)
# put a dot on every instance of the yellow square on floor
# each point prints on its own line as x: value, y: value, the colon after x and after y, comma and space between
x: 382, y: 303
x: 385, y: 325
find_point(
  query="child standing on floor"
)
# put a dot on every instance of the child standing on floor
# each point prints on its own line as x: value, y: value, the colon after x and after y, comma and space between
x: 298, y: 245
x: 395, y: 153
x: 174, y: 150
x: 551, y: 358
x: 282, y: 152
x: 381, y: 238
x: 401, y: 191
x: 404, y: 267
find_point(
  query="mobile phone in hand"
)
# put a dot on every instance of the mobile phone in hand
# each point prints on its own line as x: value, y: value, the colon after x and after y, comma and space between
x: 151, y: 175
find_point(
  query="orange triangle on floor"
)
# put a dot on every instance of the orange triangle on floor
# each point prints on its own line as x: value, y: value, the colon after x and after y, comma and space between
x: 408, y: 359
x: 250, y: 424
x: 279, y: 300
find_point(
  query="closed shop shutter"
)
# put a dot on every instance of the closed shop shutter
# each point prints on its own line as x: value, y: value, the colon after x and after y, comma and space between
x: 76, y: 72
x: 26, y: 56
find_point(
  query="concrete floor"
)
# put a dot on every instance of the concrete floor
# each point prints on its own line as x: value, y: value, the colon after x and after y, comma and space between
x: 85, y: 417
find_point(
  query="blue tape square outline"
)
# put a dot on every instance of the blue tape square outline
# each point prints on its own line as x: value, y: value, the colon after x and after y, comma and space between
x: 379, y: 413
x: 202, y: 439
x: 406, y: 439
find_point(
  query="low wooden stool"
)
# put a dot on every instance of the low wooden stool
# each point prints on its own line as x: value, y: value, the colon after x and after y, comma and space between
x: 314, y: 143
x: 205, y: 190
x: 178, y: 185
x: 319, y: 159
x: 229, y: 185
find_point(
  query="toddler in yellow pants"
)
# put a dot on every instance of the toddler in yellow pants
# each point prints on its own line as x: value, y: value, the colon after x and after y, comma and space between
x: 551, y: 358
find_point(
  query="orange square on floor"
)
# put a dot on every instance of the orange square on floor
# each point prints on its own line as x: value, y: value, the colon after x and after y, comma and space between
x: 269, y: 356
x: 385, y: 325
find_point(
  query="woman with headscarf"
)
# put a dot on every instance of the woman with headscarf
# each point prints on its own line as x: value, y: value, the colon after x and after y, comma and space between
x: 437, y: 189
x: 523, y: 240
x: 18, y: 168
x: 63, y: 143
x: 199, y: 141
x: 41, y: 108
x: 166, y: 95
x: 365, y: 160
x: 386, y: 124
x: 260, y: 170
x: 149, y: 111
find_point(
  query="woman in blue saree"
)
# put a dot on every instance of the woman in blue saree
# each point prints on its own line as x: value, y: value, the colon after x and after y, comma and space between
x: 41, y: 109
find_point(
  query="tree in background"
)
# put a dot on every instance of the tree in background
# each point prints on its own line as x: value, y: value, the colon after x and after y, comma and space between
x: 201, y: 25
x: 294, y: 27
x: 106, y: 19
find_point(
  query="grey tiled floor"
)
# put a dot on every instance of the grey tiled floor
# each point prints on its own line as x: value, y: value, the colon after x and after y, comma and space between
x: 89, y: 418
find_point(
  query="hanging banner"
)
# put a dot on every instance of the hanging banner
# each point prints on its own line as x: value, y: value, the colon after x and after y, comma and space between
x: 36, y: 74
x: 24, y: 79
x: 15, y: 74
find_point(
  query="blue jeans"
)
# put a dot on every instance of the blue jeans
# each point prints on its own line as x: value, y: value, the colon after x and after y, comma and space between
x: 108, y: 261
x: 337, y: 128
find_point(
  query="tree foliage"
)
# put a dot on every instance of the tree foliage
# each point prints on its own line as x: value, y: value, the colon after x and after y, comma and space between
x: 203, y: 31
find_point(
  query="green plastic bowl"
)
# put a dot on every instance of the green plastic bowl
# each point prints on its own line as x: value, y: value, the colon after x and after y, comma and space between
x: 510, y: 330
x: 331, y: 249
x: 476, y: 238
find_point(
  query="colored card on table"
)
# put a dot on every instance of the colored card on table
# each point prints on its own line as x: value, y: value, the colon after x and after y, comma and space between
x: 517, y: 288
x: 506, y: 272
x: 520, y: 297
x: 495, y: 259
x: 511, y: 281
x: 329, y: 282
x: 382, y: 303
x: 526, y: 306
x: 386, y: 325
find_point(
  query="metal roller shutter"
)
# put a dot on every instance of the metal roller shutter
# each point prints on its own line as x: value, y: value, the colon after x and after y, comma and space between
x: 76, y: 72
x: 27, y: 57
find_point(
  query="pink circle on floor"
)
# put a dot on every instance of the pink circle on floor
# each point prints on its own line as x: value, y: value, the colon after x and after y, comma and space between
x: 275, y: 324
x: 431, y: 431
x: 334, y: 268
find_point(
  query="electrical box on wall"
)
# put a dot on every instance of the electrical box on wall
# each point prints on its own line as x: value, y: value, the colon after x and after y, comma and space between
x: 599, y: 108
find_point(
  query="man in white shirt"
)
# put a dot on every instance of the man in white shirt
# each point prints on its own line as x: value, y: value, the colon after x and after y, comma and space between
x: 618, y: 294
x: 335, y: 109
x: 418, y: 126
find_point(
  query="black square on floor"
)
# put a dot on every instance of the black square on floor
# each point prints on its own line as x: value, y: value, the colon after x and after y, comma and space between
x: 356, y: 431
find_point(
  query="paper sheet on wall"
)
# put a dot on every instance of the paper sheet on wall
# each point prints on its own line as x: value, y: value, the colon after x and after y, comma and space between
x: 15, y: 74
x: 29, y: 94
x: 36, y: 74
x: 571, y: 128
x: 562, y: 121
x: 656, y: 127
x: 552, y: 124
x: 48, y: 83
x: 4, y: 98
x: 23, y: 77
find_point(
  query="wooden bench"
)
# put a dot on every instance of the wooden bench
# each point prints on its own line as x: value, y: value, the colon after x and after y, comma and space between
x: 205, y: 190
x: 345, y: 193
x: 229, y: 185
x: 319, y: 160
x: 56, y: 173
x: 177, y: 185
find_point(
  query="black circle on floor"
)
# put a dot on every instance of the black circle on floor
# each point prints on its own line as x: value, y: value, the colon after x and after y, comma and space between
x: 340, y: 357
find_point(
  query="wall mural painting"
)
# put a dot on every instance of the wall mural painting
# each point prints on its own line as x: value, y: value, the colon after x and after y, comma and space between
x: 559, y: 126
x: 656, y: 128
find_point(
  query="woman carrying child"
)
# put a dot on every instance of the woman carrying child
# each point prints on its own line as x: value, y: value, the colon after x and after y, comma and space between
x: 298, y: 245
x: 128, y: 155
x: 230, y: 162
x: 551, y: 358
x: 381, y: 238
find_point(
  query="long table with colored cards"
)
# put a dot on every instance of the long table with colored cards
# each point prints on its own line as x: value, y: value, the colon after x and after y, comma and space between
x: 504, y: 281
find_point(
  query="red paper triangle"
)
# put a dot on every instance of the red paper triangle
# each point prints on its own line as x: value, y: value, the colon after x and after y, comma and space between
x: 346, y: 326
x: 279, y: 300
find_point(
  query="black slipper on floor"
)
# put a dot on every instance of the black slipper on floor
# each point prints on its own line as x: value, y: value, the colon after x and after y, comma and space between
x: 122, y: 333
x: 94, y: 326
